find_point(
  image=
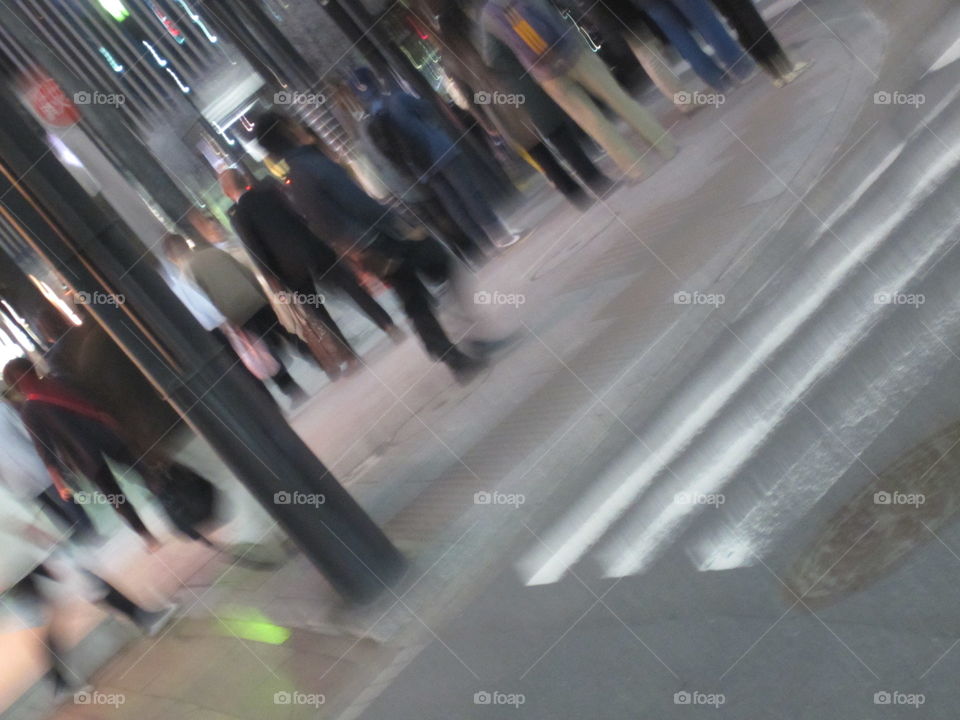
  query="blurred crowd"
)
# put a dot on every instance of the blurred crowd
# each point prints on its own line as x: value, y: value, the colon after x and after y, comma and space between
x: 414, y: 207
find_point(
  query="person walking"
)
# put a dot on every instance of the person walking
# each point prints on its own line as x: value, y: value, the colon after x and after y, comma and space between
x: 233, y: 289
x: 358, y: 226
x: 553, y: 53
x: 26, y: 478
x: 291, y: 256
x: 519, y: 109
x: 33, y: 548
x: 69, y: 433
x: 412, y: 128
x: 674, y: 17
x: 758, y: 39
x: 623, y: 18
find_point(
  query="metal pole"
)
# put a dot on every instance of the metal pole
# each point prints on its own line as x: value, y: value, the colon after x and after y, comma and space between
x: 94, y: 251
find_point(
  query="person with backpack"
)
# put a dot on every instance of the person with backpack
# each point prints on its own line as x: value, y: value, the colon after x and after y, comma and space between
x: 71, y: 434
x: 410, y: 129
x: 553, y: 53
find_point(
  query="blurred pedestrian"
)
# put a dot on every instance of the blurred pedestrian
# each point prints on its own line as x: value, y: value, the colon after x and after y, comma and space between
x: 561, y: 63
x: 357, y: 225
x: 674, y: 17
x: 758, y: 39
x: 623, y: 18
x: 292, y: 258
x: 520, y: 110
x: 412, y: 129
x: 233, y: 289
x: 71, y: 434
x: 33, y: 551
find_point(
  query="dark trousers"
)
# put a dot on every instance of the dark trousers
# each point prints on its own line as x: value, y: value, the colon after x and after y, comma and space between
x: 334, y: 273
x: 565, y: 143
x: 755, y: 35
x: 113, y: 598
x: 68, y: 513
x: 410, y: 263
x: 463, y: 194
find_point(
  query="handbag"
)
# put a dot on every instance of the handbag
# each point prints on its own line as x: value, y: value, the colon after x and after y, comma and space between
x: 188, y: 499
x: 329, y: 352
x: 253, y: 352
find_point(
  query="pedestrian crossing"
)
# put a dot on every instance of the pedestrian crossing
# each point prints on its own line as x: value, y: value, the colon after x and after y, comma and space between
x: 805, y: 377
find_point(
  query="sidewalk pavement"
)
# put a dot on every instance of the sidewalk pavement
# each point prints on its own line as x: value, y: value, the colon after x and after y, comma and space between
x: 597, y: 302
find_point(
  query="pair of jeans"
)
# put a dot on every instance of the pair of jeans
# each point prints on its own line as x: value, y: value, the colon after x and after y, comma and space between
x: 589, y: 78
x: 755, y: 35
x: 672, y: 17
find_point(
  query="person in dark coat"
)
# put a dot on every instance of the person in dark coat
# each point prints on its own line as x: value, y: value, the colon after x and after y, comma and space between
x: 411, y: 129
x: 71, y: 434
x: 290, y: 255
x: 357, y: 225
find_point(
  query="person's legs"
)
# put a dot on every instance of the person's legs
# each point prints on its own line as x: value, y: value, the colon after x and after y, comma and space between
x: 651, y: 55
x: 322, y: 315
x: 265, y: 326
x: 703, y: 17
x: 599, y: 81
x: 754, y: 34
x: 581, y: 108
x: 565, y: 141
x: 104, y: 480
x: 342, y: 277
x: 466, y: 183
x: 671, y: 22
x: 479, y: 244
x: 558, y: 176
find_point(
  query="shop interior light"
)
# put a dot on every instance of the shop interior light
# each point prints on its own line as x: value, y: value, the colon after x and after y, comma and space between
x: 116, y: 9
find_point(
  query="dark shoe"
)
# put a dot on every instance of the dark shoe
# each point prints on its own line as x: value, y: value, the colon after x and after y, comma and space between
x: 151, y: 623
x: 484, y: 349
x: 465, y: 368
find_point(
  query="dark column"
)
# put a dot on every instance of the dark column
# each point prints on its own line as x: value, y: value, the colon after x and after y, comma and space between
x: 94, y: 251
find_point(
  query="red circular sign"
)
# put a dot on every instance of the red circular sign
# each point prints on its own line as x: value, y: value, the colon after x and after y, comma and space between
x: 50, y: 103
